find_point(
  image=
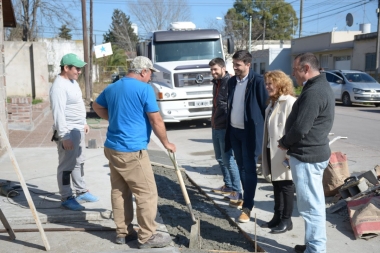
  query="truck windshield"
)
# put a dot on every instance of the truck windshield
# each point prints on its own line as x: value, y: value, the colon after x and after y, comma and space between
x: 187, y: 50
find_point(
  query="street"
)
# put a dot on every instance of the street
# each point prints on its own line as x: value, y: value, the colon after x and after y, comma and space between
x: 359, y: 123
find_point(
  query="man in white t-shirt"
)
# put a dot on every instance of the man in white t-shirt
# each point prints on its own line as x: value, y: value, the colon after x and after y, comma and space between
x: 247, y: 100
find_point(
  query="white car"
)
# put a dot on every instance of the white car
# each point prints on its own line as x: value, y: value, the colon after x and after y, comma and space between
x: 354, y: 86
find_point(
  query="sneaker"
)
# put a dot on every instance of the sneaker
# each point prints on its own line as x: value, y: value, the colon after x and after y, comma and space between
x: 130, y: 237
x: 234, y: 197
x: 238, y: 204
x: 155, y: 241
x: 222, y: 190
x: 86, y: 197
x: 71, y: 204
x: 245, y: 215
x: 300, y: 248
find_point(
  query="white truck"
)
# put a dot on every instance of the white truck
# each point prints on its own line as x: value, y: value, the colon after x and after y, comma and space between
x: 183, y: 86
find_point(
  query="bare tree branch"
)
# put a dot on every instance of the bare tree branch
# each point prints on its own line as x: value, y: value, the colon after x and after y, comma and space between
x: 154, y: 15
x: 53, y: 12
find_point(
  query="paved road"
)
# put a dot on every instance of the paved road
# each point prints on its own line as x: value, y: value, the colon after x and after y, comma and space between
x: 361, y: 125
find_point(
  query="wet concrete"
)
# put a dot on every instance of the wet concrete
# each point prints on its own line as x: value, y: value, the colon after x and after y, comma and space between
x: 217, y: 232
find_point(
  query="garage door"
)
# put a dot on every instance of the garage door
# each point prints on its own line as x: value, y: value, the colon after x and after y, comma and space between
x: 343, y: 64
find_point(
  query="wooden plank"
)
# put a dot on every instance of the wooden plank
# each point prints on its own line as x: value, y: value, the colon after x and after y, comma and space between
x: 7, y: 226
x: 24, y: 187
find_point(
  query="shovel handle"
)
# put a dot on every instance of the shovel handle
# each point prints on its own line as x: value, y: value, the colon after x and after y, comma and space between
x: 182, y: 184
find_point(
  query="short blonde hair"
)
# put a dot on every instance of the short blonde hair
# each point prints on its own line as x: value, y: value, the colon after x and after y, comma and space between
x: 282, y: 82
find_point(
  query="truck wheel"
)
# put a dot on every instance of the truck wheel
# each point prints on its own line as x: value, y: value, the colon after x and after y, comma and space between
x: 346, y: 100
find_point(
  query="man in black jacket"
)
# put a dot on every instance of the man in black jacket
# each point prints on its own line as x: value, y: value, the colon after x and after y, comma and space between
x: 247, y: 100
x: 307, y: 143
x: 226, y: 159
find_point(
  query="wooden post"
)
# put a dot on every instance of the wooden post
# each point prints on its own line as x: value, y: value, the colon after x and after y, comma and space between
x: 24, y: 187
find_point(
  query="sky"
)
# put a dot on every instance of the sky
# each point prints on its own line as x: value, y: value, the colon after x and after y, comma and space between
x: 318, y: 15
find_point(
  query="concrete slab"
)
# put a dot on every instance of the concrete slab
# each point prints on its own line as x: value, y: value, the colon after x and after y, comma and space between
x: 38, y: 166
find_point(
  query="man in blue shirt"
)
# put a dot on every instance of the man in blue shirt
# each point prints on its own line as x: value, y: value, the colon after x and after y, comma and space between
x: 130, y: 107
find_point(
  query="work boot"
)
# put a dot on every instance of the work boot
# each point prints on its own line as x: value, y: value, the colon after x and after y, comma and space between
x: 245, y: 215
x: 155, y: 241
x: 238, y: 205
x: 285, y: 225
x: 124, y: 239
x: 300, y: 248
x: 86, y: 197
x: 222, y: 190
x: 71, y: 204
x: 273, y: 222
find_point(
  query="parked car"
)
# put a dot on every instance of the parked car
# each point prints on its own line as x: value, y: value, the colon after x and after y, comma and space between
x: 353, y: 86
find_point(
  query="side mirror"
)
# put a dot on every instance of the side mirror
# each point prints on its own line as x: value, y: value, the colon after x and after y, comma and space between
x: 230, y: 45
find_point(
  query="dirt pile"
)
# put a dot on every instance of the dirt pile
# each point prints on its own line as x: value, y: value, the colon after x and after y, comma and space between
x: 216, y: 231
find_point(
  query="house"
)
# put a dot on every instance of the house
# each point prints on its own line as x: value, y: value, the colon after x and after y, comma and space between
x: 274, y: 54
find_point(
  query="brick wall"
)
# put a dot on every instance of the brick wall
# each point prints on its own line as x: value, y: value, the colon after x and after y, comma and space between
x: 20, y: 113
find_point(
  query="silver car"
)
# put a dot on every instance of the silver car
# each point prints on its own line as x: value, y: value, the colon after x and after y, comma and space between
x: 354, y: 86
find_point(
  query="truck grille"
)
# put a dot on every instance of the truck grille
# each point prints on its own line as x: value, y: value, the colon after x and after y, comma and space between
x: 192, y: 79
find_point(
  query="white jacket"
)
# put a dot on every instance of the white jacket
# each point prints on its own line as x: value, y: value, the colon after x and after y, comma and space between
x: 276, y: 129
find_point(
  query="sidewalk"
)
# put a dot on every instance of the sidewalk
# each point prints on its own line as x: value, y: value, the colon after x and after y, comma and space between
x: 37, y: 158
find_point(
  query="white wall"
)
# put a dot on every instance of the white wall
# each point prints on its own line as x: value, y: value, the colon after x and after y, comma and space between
x: 20, y: 58
x: 57, y: 48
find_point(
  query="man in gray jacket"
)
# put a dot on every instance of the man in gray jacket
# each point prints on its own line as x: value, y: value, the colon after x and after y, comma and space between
x: 307, y: 144
x: 69, y: 127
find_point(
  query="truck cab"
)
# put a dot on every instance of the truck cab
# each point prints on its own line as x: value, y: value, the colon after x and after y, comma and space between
x: 183, y: 86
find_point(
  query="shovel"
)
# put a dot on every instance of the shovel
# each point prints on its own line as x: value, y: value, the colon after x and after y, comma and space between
x: 195, y: 237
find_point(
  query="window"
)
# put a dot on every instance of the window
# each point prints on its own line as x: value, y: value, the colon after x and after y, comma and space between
x: 332, y: 78
x: 370, y: 62
x: 50, y: 68
x: 262, y: 68
x: 342, y: 58
x: 324, y: 61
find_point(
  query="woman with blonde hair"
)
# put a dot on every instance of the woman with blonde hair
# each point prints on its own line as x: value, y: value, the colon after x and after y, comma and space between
x: 274, y: 160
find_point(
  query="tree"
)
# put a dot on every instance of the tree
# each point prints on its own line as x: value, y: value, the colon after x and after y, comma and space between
x: 64, y: 33
x: 121, y: 32
x: 14, y: 33
x: 28, y: 12
x: 154, y: 15
x: 278, y: 17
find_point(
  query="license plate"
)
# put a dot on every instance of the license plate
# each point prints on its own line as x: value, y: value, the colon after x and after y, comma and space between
x: 201, y: 103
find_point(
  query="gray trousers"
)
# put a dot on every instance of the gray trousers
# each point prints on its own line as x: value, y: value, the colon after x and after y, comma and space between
x: 70, y: 165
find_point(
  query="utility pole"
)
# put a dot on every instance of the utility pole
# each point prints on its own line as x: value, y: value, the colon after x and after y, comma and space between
x: 301, y: 12
x: 265, y: 24
x: 250, y: 34
x: 85, y: 49
x: 91, y: 45
x: 378, y: 41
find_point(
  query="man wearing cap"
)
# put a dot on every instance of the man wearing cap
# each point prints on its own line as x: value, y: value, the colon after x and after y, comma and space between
x: 130, y: 107
x: 69, y: 115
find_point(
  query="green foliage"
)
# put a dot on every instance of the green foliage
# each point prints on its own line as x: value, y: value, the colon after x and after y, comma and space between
x: 64, y: 33
x: 36, y: 101
x: 279, y: 16
x: 121, y: 32
x: 298, y: 90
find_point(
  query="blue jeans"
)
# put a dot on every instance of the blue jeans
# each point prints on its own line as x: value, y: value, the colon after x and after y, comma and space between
x: 307, y: 178
x: 226, y: 160
x: 247, y: 165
